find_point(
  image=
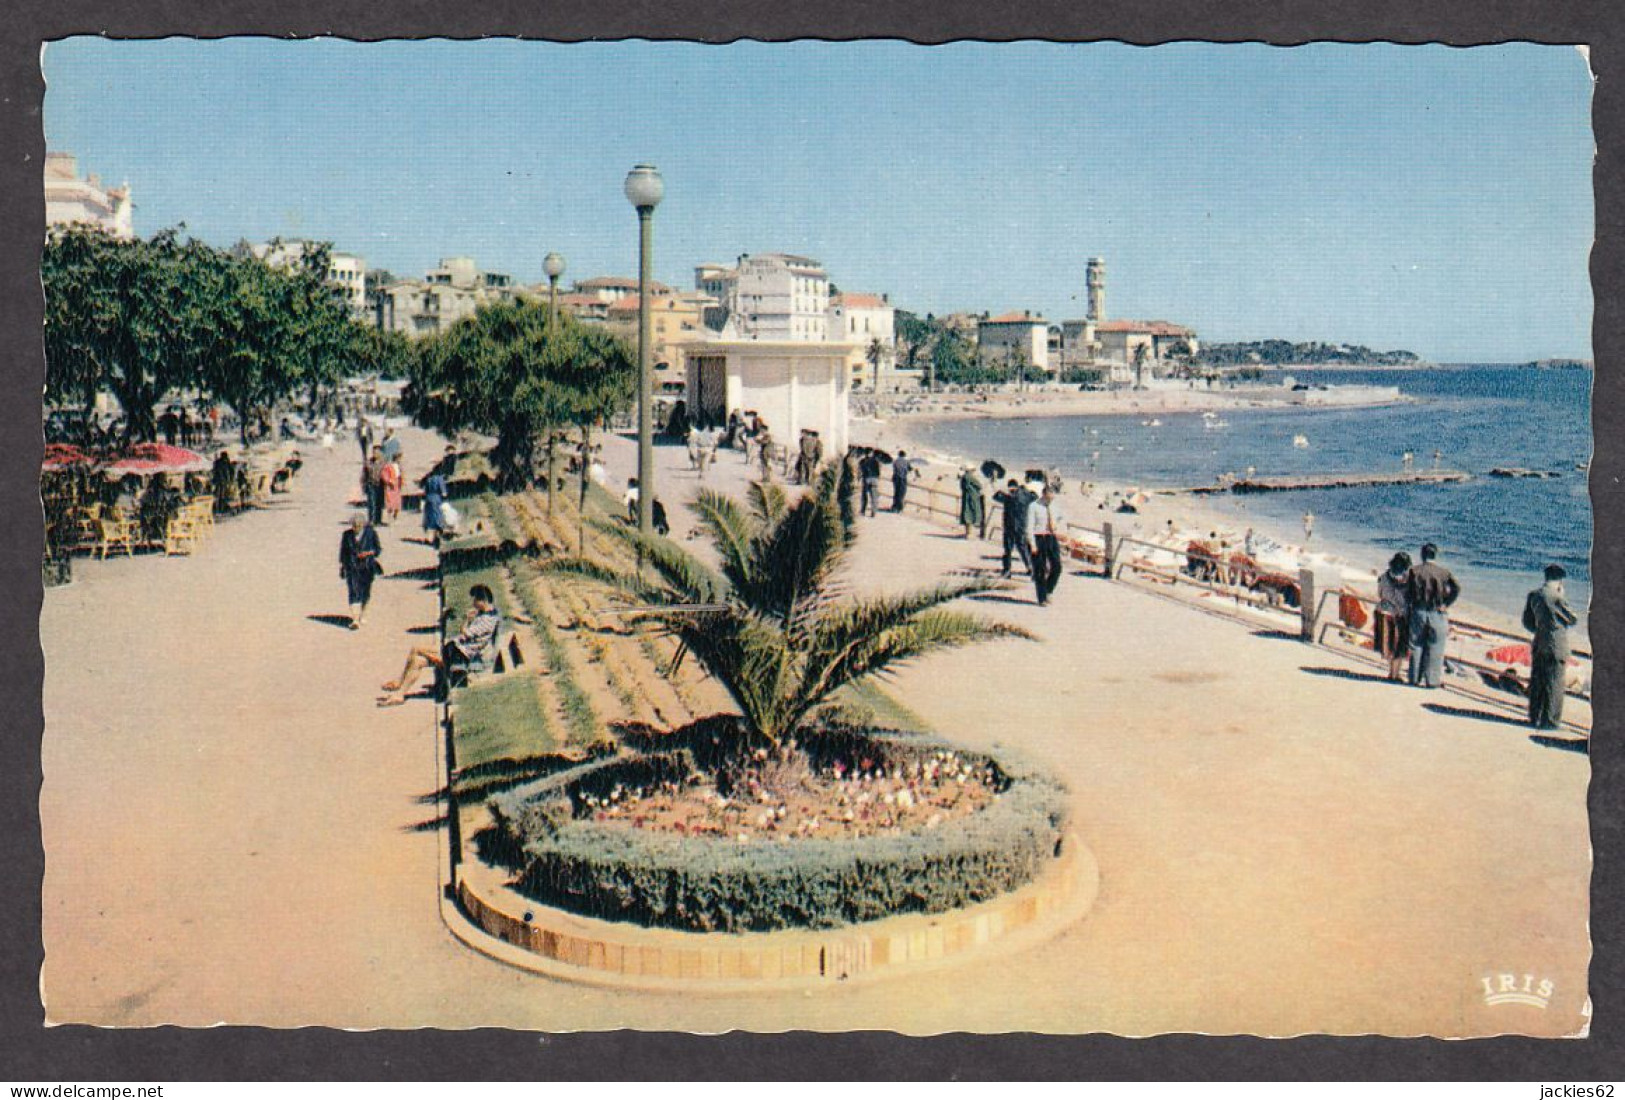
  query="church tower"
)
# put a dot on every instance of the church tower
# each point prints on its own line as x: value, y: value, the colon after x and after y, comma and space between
x: 1097, y: 289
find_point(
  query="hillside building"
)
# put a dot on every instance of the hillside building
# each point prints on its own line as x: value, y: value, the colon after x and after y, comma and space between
x: 70, y: 200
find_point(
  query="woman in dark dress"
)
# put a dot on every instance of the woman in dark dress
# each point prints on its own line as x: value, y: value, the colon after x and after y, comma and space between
x: 434, y: 502
x: 1391, y: 625
x: 358, y: 565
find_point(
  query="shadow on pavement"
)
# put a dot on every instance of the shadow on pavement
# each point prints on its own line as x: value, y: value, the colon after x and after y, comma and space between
x: 340, y: 621
x: 1468, y: 712
x: 421, y: 573
x: 1346, y: 674
x: 1581, y: 746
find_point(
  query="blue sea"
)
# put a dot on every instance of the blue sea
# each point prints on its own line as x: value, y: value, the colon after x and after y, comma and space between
x: 1496, y: 534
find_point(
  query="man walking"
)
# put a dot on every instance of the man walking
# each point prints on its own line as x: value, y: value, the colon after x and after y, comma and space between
x: 902, y: 466
x: 869, y: 476
x: 1045, y: 524
x: 372, y: 485
x: 1430, y: 590
x: 1014, y: 500
x: 1547, y: 616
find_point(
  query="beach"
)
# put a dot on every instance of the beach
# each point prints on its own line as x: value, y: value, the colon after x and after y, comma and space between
x: 1497, y: 534
x: 1053, y: 400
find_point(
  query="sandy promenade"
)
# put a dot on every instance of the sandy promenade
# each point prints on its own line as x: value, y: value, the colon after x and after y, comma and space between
x: 1285, y: 846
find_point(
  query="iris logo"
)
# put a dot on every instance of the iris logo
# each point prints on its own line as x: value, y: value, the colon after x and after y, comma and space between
x: 1508, y: 989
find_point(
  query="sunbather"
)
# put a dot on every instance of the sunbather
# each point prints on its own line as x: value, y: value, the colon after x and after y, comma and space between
x: 479, y: 631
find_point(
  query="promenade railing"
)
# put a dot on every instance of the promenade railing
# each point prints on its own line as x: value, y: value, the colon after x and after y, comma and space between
x: 1466, y: 647
x: 1256, y: 593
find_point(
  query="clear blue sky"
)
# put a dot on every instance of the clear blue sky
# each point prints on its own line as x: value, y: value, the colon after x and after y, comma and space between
x: 1429, y: 198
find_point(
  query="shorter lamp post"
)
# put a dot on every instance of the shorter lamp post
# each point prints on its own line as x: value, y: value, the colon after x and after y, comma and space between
x: 644, y: 190
x: 554, y: 266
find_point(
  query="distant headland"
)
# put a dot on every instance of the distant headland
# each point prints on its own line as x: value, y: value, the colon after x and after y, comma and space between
x: 1285, y: 353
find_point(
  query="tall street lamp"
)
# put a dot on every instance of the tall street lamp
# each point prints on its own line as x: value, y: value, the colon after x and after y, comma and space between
x: 644, y: 190
x: 554, y: 266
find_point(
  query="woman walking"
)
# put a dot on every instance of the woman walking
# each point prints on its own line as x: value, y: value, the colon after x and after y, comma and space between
x: 358, y: 565
x: 972, y: 508
x: 390, y: 477
x: 1391, y: 625
x: 434, y: 504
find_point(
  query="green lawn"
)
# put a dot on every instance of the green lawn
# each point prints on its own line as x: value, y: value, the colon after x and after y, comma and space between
x: 501, y: 718
x: 866, y: 695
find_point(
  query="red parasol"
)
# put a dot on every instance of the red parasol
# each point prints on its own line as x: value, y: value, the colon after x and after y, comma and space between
x: 157, y: 458
x: 60, y: 456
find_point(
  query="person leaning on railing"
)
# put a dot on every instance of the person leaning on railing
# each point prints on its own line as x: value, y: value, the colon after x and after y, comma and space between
x: 1430, y: 590
x: 1391, y: 625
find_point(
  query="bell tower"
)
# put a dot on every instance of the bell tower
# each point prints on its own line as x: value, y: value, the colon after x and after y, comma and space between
x: 1096, y: 282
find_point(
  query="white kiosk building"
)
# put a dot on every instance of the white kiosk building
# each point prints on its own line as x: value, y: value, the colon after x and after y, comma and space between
x: 791, y: 384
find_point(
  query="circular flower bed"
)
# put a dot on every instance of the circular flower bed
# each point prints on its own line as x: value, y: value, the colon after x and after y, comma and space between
x: 845, y: 828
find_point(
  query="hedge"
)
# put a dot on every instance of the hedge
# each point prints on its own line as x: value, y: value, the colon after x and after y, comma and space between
x: 562, y: 857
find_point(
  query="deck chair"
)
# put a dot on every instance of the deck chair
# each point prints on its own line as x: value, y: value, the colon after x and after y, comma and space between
x: 115, y: 531
x: 181, y: 533
x: 458, y: 675
x: 88, y: 526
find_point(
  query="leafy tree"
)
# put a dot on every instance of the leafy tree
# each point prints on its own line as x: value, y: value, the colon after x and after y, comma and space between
x: 275, y: 328
x: 123, y: 316
x: 144, y: 318
x: 914, y: 335
x: 771, y: 627
x: 511, y: 371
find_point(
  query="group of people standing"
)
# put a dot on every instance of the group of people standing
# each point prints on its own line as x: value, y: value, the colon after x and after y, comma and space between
x: 1412, y: 626
x: 1033, y: 526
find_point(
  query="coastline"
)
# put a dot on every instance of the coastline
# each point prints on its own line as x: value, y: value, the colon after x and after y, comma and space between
x: 1006, y: 406
x: 1171, y: 518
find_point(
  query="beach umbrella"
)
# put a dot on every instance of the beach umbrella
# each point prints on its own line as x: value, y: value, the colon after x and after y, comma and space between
x: 157, y: 458
x: 991, y: 469
x: 62, y: 456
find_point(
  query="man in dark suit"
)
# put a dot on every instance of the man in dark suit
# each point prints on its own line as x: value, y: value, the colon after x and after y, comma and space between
x: 1013, y: 502
x: 1547, y: 616
x: 1431, y: 590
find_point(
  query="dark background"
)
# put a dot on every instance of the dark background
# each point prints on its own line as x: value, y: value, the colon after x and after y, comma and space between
x: 31, y: 1052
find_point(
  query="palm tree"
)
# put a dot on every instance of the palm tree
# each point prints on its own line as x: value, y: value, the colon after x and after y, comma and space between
x: 875, y: 354
x: 770, y: 624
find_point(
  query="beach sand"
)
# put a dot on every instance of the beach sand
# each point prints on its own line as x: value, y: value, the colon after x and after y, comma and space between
x: 1070, y: 401
x: 1172, y: 519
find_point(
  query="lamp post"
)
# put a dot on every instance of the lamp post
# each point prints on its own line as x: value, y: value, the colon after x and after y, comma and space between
x: 644, y: 190
x: 554, y: 266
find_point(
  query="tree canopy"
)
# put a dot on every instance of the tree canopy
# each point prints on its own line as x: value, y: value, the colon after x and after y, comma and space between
x: 511, y: 371
x: 141, y: 319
